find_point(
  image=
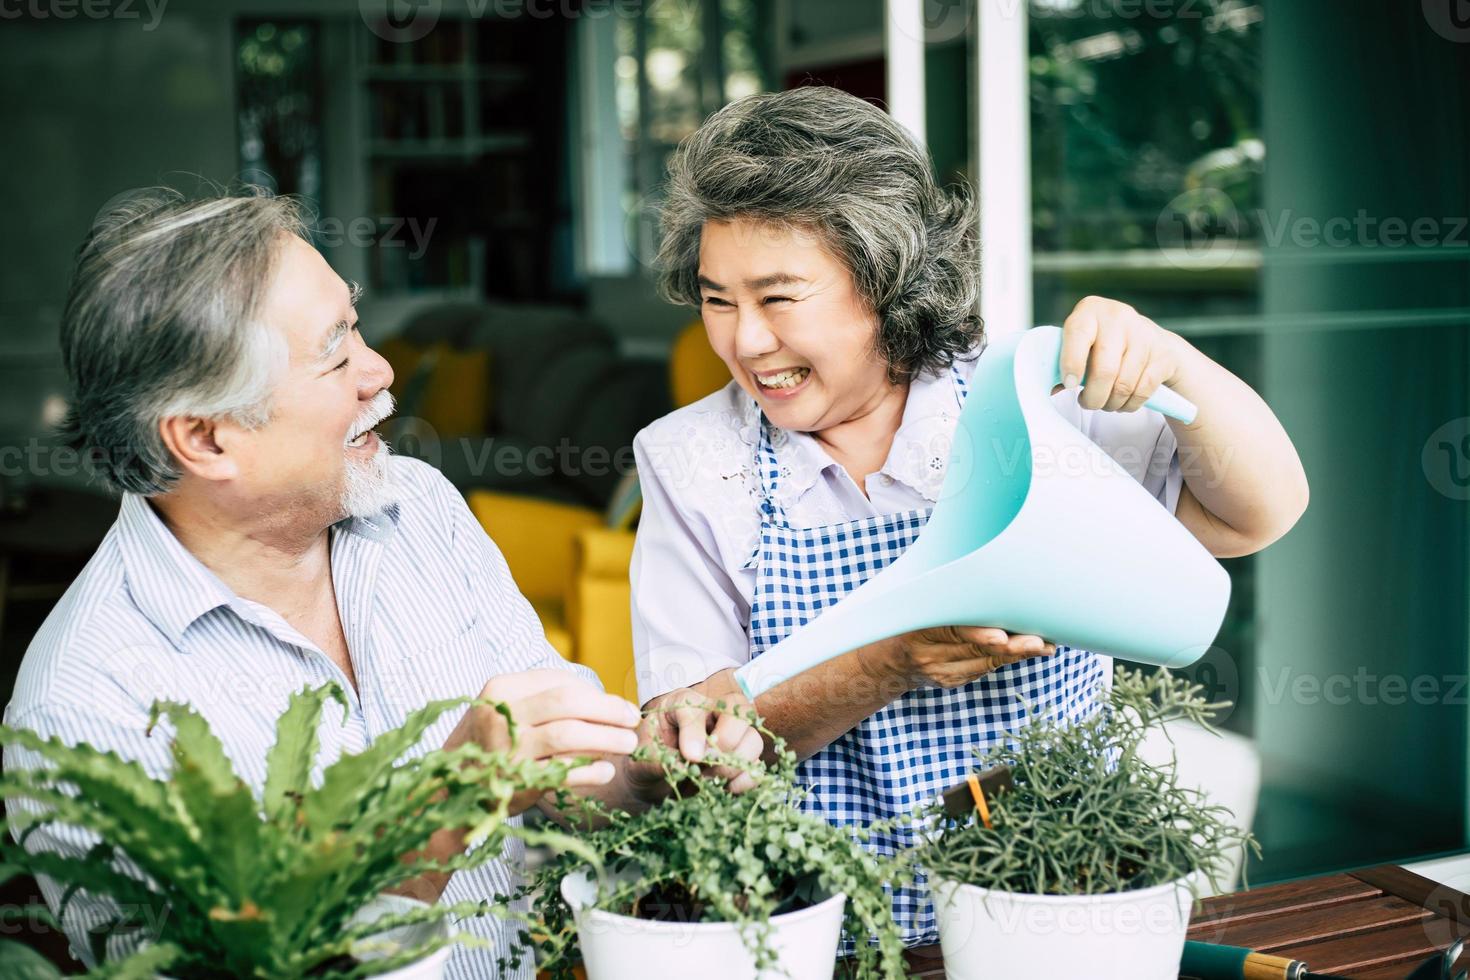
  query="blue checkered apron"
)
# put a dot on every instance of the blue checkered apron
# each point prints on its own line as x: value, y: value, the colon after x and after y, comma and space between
x: 920, y: 745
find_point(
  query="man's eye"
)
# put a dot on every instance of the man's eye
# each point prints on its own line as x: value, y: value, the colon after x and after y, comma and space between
x: 342, y: 365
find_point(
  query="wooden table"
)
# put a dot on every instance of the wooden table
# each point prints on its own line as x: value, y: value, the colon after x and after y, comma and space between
x: 1373, y: 924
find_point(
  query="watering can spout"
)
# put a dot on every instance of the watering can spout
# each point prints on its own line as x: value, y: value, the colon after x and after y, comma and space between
x: 1015, y: 538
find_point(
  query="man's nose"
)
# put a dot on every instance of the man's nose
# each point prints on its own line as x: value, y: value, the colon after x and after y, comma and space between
x: 377, y: 373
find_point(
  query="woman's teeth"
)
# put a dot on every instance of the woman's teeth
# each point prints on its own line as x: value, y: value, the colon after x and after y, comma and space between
x: 789, y: 378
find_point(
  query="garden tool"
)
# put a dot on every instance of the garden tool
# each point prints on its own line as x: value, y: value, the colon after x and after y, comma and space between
x: 1038, y: 531
x: 976, y: 793
x: 1211, y: 961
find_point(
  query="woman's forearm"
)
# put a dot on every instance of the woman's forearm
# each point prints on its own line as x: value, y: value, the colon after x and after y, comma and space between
x: 1246, y: 486
x: 820, y: 705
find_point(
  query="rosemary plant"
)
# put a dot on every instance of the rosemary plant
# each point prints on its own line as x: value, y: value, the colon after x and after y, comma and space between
x: 706, y: 855
x: 1087, y: 814
x: 218, y: 883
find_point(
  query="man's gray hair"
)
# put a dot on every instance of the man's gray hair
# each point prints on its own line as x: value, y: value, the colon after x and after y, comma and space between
x: 161, y: 321
x: 822, y: 159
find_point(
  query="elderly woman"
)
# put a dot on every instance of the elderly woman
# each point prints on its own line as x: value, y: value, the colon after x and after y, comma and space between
x: 839, y: 284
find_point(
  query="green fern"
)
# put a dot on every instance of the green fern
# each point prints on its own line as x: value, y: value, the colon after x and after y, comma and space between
x: 218, y: 883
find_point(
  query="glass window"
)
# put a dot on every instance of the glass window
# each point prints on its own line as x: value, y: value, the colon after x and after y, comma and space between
x: 278, y: 105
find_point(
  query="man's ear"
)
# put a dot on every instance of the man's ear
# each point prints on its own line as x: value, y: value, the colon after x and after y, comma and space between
x: 200, y: 446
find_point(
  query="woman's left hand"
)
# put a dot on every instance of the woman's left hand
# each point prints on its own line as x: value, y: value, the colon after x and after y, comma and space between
x: 1123, y: 355
x: 691, y: 720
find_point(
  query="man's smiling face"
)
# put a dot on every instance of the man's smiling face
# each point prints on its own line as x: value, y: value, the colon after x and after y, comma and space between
x: 317, y: 455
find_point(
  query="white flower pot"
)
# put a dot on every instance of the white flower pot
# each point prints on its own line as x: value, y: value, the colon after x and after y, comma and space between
x: 620, y: 947
x: 431, y: 967
x: 995, y: 935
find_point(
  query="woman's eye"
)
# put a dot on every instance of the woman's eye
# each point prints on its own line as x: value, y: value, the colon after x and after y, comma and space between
x: 715, y: 301
x: 777, y: 299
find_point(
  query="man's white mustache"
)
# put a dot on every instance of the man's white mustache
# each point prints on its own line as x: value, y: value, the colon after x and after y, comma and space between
x: 378, y: 409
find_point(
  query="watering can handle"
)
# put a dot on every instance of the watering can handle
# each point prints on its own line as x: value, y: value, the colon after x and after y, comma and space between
x: 1165, y: 401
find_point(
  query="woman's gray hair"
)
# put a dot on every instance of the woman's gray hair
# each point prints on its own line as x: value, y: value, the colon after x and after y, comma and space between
x: 822, y: 159
x: 161, y: 321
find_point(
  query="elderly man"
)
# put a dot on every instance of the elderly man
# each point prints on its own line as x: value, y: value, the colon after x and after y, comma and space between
x: 268, y: 541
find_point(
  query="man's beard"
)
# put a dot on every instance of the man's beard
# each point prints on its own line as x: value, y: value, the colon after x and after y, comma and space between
x: 368, y: 484
x: 368, y: 487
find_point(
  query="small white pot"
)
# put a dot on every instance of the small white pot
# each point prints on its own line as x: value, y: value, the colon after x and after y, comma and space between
x: 992, y: 935
x: 620, y: 947
x: 431, y: 967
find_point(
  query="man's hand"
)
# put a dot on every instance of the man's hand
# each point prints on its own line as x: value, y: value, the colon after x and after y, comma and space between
x: 558, y: 716
x: 950, y: 656
x: 686, y: 719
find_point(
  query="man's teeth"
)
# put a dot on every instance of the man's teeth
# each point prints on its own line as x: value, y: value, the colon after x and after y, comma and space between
x: 359, y: 439
x: 789, y: 378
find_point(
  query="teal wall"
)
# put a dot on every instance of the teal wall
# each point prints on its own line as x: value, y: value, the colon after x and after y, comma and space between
x: 1366, y: 108
x: 92, y: 107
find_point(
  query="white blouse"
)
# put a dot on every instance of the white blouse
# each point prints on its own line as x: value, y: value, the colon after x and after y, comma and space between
x: 692, y: 574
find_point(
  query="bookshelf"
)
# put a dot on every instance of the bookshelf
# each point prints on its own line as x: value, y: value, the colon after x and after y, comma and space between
x: 464, y: 128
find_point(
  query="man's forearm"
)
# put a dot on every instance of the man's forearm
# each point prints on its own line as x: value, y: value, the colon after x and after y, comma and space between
x: 429, y: 886
x: 818, y: 706
x: 616, y: 794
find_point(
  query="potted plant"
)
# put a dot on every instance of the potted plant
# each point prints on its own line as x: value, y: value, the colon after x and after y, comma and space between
x: 218, y: 882
x: 1092, y: 856
x: 714, y: 885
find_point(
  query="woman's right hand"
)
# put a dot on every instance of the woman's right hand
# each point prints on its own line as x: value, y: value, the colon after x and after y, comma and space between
x: 952, y: 656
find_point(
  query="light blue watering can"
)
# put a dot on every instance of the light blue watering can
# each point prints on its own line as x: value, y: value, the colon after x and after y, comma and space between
x: 1037, y: 530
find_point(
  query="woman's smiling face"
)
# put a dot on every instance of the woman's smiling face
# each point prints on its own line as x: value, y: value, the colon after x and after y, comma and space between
x: 785, y: 316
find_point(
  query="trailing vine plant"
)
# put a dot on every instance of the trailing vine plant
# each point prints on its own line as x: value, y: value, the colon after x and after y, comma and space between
x: 704, y: 854
x: 1087, y: 814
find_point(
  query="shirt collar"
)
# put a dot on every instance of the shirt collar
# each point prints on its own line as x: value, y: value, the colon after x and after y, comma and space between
x: 173, y: 588
x: 918, y: 457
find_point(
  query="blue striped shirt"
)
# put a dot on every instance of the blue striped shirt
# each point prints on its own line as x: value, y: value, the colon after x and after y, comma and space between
x: 429, y: 610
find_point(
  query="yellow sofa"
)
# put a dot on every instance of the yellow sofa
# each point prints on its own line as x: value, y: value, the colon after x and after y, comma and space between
x: 570, y: 564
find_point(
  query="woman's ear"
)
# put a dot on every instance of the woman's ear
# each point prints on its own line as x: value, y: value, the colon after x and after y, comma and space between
x: 200, y: 446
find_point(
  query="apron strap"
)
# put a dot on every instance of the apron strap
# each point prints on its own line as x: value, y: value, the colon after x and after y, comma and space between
x: 769, y: 467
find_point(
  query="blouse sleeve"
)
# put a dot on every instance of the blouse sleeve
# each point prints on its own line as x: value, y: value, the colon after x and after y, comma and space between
x: 688, y: 616
x: 1141, y: 442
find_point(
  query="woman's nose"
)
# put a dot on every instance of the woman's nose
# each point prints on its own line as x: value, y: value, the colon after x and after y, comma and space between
x: 753, y: 336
